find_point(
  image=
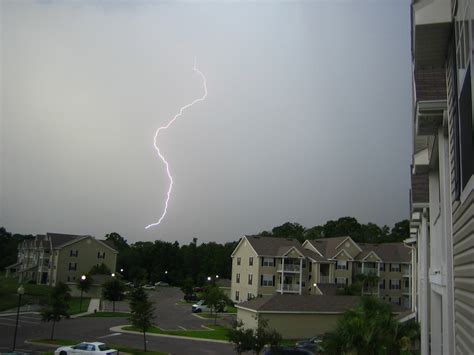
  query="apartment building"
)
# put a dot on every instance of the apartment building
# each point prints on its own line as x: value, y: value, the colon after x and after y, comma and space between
x: 442, y: 223
x: 263, y: 266
x: 52, y: 258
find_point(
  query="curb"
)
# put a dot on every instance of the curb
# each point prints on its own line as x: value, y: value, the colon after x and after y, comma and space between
x: 119, y: 329
x: 14, y: 314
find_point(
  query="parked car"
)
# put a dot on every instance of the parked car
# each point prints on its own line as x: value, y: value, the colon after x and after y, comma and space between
x: 162, y: 283
x: 312, y: 344
x: 149, y: 287
x: 191, y: 297
x: 201, y: 306
x: 287, y: 351
x: 86, y: 348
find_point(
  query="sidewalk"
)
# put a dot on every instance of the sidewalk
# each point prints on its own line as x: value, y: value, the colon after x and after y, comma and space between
x: 94, y: 305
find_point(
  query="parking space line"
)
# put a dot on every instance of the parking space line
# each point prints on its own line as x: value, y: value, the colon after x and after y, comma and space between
x: 183, y: 328
x: 109, y: 335
x: 13, y: 320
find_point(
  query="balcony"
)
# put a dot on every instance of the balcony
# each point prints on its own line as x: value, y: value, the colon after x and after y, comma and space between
x: 290, y: 288
x: 370, y: 270
x: 324, y: 279
x: 289, y: 268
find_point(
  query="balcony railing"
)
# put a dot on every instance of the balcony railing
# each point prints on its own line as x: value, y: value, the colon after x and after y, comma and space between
x: 370, y: 270
x: 290, y: 267
x: 323, y: 279
x: 291, y: 287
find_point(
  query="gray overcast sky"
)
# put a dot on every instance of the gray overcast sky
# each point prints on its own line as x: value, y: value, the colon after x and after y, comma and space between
x: 307, y: 117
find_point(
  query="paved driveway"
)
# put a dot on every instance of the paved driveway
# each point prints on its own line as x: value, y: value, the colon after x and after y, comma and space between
x: 96, y: 329
x: 169, y: 314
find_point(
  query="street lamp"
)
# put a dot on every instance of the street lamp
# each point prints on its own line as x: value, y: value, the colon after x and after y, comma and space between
x: 217, y: 276
x: 83, y: 278
x: 166, y: 272
x: 20, y: 291
x: 208, y: 278
x: 113, y: 274
x: 121, y: 270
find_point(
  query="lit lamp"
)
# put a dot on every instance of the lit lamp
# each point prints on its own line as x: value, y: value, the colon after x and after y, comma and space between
x: 121, y: 270
x: 208, y: 278
x: 113, y: 274
x: 217, y: 276
x: 83, y: 278
x: 21, y: 292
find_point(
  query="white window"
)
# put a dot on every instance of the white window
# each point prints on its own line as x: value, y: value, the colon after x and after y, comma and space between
x: 382, y: 267
x: 238, y: 260
x: 237, y: 278
x: 101, y: 255
x: 72, y: 266
x: 268, y: 262
x: 73, y: 252
x: 267, y: 280
x: 394, y: 284
x: 237, y: 295
x: 395, y: 267
x: 341, y: 282
x: 341, y: 265
x: 249, y: 296
x: 250, y: 260
x: 250, y: 279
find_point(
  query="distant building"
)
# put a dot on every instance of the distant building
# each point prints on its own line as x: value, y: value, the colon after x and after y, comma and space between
x: 442, y: 191
x: 52, y: 258
x: 263, y: 266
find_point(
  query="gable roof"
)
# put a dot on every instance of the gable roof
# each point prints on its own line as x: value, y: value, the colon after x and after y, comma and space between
x: 58, y: 239
x: 328, y: 246
x: 388, y: 252
x: 272, y: 246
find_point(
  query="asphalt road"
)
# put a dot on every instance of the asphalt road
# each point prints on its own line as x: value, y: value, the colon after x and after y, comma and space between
x: 169, y: 316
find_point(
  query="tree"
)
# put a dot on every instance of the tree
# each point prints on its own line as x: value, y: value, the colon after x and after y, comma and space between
x: 214, y: 298
x: 113, y: 290
x: 188, y: 286
x: 400, y: 231
x: 119, y: 241
x: 100, y: 269
x: 242, y: 338
x: 57, y: 306
x: 289, y: 230
x: 141, y: 312
x: 370, y: 329
x: 264, y: 336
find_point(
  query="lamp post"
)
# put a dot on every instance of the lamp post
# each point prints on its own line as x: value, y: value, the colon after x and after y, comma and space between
x: 83, y: 278
x: 113, y: 274
x: 208, y: 278
x: 20, y: 291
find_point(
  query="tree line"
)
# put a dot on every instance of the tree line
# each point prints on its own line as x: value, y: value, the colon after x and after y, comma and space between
x: 172, y: 262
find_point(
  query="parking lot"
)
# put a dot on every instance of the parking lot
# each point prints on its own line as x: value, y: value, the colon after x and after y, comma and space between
x: 169, y: 315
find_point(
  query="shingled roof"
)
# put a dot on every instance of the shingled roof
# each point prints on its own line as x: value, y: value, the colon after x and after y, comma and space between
x: 306, y: 304
x: 273, y: 246
x: 327, y: 246
x: 302, y: 303
x: 388, y: 252
x: 58, y: 239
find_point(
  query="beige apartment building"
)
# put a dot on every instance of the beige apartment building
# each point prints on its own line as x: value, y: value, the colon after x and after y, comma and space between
x: 264, y: 266
x: 442, y: 183
x: 52, y: 258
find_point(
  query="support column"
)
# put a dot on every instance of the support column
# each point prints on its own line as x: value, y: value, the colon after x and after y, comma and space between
x: 363, y: 267
x: 301, y: 272
x: 282, y: 274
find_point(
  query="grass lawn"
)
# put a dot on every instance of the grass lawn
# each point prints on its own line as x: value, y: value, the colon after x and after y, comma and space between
x: 120, y: 348
x: 9, y: 297
x: 107, y: 315
x: 217, y: 332
x: 74, y: 305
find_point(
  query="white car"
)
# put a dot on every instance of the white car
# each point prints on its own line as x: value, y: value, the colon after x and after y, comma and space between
x: 86, y: 349
x: 200, y: 307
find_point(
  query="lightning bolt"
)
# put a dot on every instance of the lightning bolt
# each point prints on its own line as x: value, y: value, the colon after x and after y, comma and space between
x: 163, y: 159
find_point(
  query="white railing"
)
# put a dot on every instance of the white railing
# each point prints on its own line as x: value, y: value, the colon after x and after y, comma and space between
x: 323, y: 279
x: 290, y: 267
x: 291, y: 287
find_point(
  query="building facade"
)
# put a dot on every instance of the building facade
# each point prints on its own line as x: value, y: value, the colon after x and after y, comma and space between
x: 264, y: 266
x: 442, y: 208
x: 52, y: 258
